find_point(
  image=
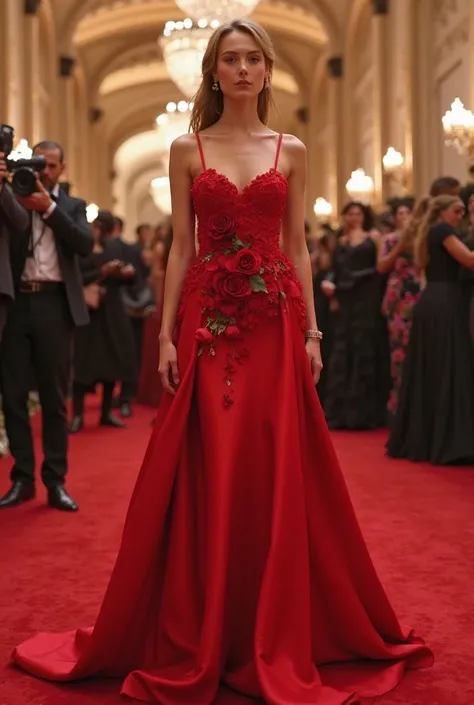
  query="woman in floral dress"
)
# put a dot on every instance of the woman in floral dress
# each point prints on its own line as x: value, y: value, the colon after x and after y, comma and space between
x: 403, y: 290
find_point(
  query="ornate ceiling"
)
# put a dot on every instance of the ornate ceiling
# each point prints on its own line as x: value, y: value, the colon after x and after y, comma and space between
x: 115, y: 44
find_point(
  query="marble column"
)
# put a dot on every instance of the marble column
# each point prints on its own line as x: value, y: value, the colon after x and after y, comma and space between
x: 66, y: 110
x: 32, y: 102
x: 336, y: 161
x: 316, y: 147
x: 471, y: 57
x: 96, y: 148
x: 422, y: 100
x: 381, y: 88
x: 65, y: 69
x: 13, y: 65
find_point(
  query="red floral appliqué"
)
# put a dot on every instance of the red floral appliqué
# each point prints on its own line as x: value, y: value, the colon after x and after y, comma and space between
x: 241, y: 273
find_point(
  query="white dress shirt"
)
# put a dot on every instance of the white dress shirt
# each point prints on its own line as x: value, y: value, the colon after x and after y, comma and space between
x: 44, y: 265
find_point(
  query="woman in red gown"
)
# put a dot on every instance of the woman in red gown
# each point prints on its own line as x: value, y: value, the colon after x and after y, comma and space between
x: 241, y: 560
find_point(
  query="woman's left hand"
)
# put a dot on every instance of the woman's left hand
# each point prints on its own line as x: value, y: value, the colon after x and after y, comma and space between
x: 314, y: 356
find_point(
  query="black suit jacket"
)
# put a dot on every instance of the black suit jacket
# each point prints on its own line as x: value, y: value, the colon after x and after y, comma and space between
x: 14, y: 222
x: 73, y: 238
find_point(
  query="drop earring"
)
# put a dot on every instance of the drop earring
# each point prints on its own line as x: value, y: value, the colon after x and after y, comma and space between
x: 267, y: 82
x: 215, y: 85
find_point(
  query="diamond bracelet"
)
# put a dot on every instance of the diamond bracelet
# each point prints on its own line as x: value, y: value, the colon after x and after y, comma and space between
x: 315, y: 334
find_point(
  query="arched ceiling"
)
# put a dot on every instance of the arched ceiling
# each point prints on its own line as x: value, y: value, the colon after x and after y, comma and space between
x: 69, y: 13
x: 116, y: 45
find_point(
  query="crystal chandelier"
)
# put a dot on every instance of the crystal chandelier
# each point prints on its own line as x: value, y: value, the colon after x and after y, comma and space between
x: 392, y: 161
x: 322, y: 209
x: 222, y: 10
x: 92, y: 211
x: 360, y: 187
x: 183, y: 45
x: 458, y: 126
x: 160, y: 191
x: 21, y: 151
x: 173, y: 123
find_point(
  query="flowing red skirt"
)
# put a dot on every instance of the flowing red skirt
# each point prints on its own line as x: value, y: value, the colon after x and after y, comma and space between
x: 241, y: 560
x: 150, y: 389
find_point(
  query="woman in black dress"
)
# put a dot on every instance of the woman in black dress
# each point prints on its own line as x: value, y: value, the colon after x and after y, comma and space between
x: 104, y: 349
x: 435, y: 416
x: 356, y: 391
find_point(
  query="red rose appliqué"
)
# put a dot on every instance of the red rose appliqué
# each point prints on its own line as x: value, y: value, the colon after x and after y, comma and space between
x: 244, y: 262
x: 222, y: 226
x: 231, y: 286
x: 203, y: 335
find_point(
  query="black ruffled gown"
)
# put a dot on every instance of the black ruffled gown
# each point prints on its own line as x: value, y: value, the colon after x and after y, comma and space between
x: 358, y: 376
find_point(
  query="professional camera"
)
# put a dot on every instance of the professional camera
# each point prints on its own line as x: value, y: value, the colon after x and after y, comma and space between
x: 23, y: 170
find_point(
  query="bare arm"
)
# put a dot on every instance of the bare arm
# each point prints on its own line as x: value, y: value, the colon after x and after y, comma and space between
x: 182, y: 250
x: 459, y: 251
x: 294, y: 243
x: 158, y: 273
x: 386, y: 262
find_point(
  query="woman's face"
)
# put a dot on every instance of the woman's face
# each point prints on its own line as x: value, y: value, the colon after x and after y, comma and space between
x: 453, y: 214
x: 470, y: 206
x: 96, y: 232
x: 241, y: 68
x: 354, y: 218
x: 402, y: 216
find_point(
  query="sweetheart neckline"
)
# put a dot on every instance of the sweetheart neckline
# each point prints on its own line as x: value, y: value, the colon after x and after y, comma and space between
x: 238, y: 191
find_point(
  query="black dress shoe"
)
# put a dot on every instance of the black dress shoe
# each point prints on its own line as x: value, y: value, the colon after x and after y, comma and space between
x: 58, y: 498
x: 19, y: 492
x: 125, y: 410
x: 76, y: 424
x: 111, y: 420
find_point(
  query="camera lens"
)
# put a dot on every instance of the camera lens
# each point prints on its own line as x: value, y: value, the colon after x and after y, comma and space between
x: 24, y: 182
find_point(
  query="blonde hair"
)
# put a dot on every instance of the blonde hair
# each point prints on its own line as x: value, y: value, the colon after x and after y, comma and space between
x: 409, y: 232
x: 208, y: 103
x: 437, y: 206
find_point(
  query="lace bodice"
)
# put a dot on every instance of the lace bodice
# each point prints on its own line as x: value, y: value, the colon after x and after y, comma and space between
x: 257, y: 210
x: 240, y: 273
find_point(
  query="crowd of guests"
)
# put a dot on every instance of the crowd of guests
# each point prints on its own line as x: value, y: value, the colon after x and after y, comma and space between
x: 392, y: 296
x: 123, y: 289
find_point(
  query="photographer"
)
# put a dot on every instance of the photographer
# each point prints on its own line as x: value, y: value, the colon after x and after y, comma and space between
x: 49, y: 303
x: 13, y: 221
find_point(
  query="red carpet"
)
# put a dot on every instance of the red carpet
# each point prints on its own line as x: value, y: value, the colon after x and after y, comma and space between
x: 417, y: 520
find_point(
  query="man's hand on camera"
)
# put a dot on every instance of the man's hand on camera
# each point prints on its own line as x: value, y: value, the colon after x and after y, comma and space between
x: 3, y: 169
x: 39, y: 201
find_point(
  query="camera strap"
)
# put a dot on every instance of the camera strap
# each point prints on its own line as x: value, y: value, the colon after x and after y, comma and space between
x: 34, y: 243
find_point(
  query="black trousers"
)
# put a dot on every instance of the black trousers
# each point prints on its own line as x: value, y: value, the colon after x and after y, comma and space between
x: 129, y: 388
x: 4, y: 304
x: 79, y: 392
x: 38, y: 337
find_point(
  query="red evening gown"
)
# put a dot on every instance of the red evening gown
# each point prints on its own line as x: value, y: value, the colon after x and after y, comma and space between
x: 241, y: 560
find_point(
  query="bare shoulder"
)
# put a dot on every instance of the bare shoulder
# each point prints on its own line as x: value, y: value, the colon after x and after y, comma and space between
x: 294, y: 156
x: 294, y: 146
x: 295, y: 153
x: 184, y: 145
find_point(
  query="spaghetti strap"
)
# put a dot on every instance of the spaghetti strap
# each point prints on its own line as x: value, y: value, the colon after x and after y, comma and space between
x: 277, y: 158
x: 201, y: 151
